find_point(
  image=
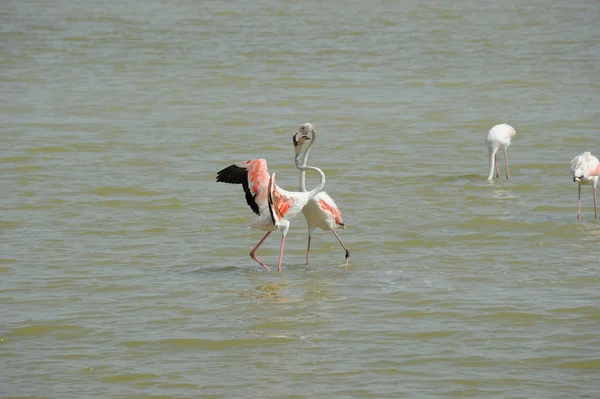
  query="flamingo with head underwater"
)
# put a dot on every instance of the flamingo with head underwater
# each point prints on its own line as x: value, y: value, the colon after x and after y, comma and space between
x: 586, y: 170
x: 320, y: 211
x: 498, y: 137
x: 275, y: 206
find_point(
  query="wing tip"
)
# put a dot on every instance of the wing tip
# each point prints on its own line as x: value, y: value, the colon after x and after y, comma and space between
x: 233, y: 174
x: 237, y: 174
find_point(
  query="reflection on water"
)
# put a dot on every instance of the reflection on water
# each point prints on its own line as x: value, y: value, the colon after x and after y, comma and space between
x: 589, y: 230
x: 504, y: 194
x: 271, y: 292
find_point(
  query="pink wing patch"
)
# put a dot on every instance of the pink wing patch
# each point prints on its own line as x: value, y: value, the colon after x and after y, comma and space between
x: 282, y: 202
x: 258, y: 180
x: 258, y: 174
x: 331, y: 209
x: 596, y: 171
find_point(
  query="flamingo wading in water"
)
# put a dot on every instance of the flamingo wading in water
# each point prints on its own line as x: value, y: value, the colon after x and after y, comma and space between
x: 499, y: 137
x: 320, y: 211
x: 253, y: 175
x: 586, y: 169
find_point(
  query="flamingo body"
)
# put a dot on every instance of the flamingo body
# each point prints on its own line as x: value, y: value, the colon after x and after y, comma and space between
x: 321, y: 210
x: 586, y: 170
x: 498, y: 137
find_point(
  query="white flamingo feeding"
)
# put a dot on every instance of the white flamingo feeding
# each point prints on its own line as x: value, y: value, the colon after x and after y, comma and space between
x: 586, y: 169
x: 275, y: 206
x: 320, y: 211
x: 498, y: 137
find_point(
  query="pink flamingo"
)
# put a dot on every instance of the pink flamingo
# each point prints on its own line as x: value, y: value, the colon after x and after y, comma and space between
x: 499, y: 137
x: 275, y: 206
x: 320, y: 211
x: 586, y: 169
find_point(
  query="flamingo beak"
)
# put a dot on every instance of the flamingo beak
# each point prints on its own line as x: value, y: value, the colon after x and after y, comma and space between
x: 304, y: 136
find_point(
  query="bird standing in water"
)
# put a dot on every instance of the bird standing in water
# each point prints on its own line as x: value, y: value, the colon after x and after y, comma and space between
x: 586, y: 169
x: 320, y: 211
x: 498, y: 137
x: 254, y: 178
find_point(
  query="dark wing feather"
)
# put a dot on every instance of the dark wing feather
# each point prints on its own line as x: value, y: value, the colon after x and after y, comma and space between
x: 235, y: 174
x: 271, y: 200
x: 250, y: 200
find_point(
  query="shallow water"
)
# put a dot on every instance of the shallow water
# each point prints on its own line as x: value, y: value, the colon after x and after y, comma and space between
x: 124, y: 267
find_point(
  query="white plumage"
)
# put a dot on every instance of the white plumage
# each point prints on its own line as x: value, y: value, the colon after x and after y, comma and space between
x: 585, y: 169
x: 499, y: 137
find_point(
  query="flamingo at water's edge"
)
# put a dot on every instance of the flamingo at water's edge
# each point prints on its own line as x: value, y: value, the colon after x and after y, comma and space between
x: 320, y: 211
x: 254, y: 178
x: 586, y: 170
x: 498, y: 137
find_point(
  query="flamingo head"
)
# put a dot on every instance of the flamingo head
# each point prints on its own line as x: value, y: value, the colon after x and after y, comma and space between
x: 304, y: 134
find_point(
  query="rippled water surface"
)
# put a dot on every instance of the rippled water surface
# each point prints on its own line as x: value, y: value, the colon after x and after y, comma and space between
x: 124, y: 267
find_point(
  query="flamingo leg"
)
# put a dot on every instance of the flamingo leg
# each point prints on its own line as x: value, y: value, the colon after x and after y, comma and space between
x: 253, y: 252
x: 281, y: 253
x: 496, y: 163
x: 343, y: 246
x: 506, y: 162
x: 308, y: 251
x: 595, y: 207
x: 579, y: 201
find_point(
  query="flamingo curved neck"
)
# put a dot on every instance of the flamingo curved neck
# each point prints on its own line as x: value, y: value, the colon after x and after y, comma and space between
x: 319, y: 188
x: 492, y: 164
x: 302, y: 163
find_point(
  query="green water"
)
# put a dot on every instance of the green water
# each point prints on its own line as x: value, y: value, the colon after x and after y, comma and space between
x: 124, y: 267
